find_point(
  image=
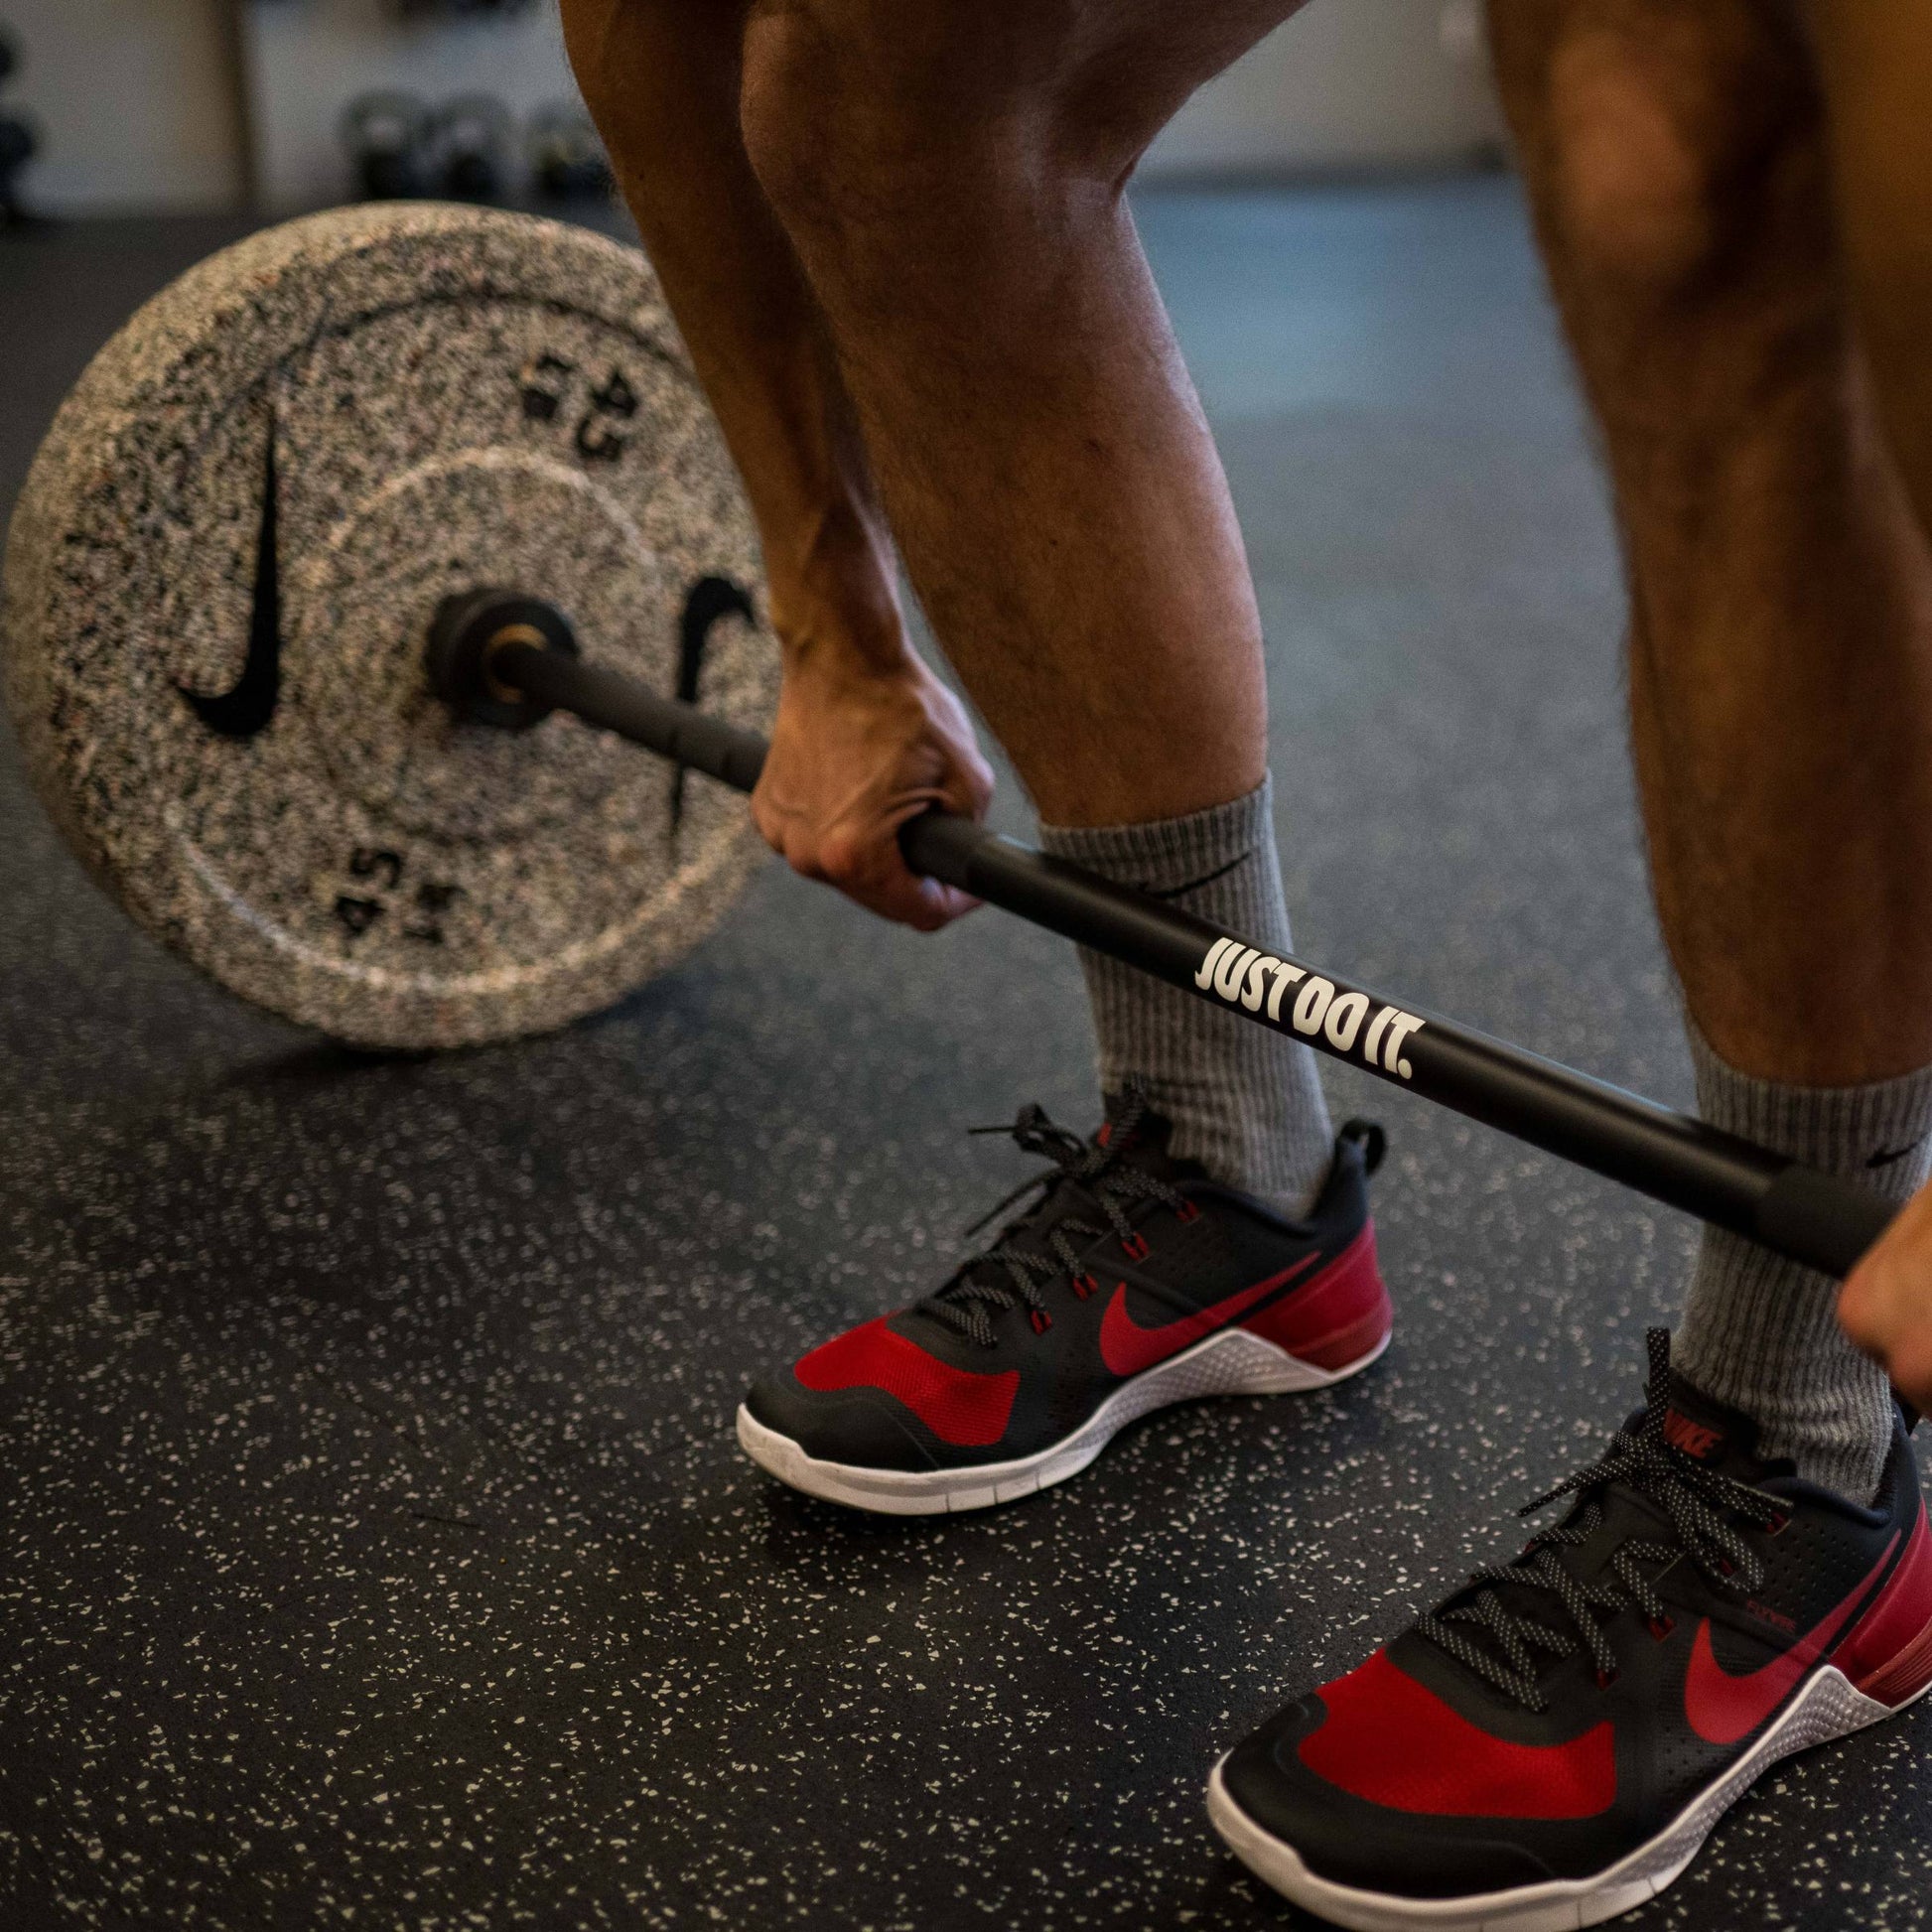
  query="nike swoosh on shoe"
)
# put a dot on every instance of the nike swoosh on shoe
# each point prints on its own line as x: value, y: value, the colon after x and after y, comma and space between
x: 1128, y: 1348
x: 1721, y: 1708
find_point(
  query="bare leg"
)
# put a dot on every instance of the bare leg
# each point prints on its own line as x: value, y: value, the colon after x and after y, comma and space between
x: 949, y: 180
x: 1781, y: 606
x: 1876, y: 65
x: 952, y: 177
x: 1781, y: 632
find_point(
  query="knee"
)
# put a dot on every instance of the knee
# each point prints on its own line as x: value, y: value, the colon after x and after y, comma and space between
x: 872, y: 126
x: 1638, y: 197
x: 1655, y: 166
x: 818, y: 130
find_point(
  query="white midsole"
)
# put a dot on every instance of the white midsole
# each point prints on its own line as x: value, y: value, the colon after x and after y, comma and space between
x: 1827, y: 1708
x: 1233, y: 1362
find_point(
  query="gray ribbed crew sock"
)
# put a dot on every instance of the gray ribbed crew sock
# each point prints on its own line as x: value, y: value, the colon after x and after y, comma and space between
x: 1244, y: 1102
x: 1760, y: 1333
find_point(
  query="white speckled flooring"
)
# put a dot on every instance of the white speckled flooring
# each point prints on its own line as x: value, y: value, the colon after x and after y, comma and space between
x: 375, y: 1551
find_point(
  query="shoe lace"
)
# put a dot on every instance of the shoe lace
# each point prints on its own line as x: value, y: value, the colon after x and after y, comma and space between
x: 1500, y: 1644
x: 1009, y: 1274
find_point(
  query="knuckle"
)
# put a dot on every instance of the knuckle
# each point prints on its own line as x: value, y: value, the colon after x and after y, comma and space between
x: 844, y: 859
x: 803, y: 858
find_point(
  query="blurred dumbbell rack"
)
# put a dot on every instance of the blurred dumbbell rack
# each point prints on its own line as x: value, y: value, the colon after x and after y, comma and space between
x: 305, y: 61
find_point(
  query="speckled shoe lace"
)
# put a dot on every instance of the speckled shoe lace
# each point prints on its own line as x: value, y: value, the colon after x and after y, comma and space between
x: 1021, y: 1261
x: 1499, y: 1643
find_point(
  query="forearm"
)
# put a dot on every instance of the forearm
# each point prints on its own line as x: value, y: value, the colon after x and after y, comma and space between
x: 661, y: 79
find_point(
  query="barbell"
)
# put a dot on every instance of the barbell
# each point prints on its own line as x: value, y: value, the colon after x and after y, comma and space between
x: 352, y: 562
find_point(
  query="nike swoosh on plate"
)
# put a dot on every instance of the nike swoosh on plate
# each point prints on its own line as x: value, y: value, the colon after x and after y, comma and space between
x: 1721, y: 1708
x: 709, y: 599
x: 246, y: 710
x: 1127, y: 1348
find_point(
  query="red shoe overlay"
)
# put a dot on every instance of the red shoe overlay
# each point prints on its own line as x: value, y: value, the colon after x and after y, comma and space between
x: 1888, y: 1655
x: 1339, y: 1315
x: 1395, y: 1743
x: 1721, y: 1708
x: 967, y: 1409
x: 1127, y: 1348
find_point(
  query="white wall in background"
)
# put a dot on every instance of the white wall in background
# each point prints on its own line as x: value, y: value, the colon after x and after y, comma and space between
x: 308, y: 59
x: 135, y: 100
x: 1346, y: 84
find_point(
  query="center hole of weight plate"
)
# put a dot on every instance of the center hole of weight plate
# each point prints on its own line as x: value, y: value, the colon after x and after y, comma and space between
x: 469, y: 633
x: 512, y: 633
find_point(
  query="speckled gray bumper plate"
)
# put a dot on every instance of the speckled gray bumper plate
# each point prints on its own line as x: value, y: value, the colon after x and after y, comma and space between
x: 221, y: 575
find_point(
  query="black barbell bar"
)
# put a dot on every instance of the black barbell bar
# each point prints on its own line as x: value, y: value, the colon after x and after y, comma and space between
x: 1815, y: 1218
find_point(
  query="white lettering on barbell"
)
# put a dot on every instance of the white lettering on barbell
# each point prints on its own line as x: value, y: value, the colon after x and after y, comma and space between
x: 1232, y: 970
x: 1405, y: 1025
x: 1310, y: 1004
x: 1371, y: 1047
x: 1205, y: 974
x: 1285, y: 977
x: 1257, y: 974
x: 1240, y: 975
x: 1345, y: 1019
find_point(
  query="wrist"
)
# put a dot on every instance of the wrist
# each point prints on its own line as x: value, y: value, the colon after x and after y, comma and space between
x: 847, y: 638
x: 835, y: 598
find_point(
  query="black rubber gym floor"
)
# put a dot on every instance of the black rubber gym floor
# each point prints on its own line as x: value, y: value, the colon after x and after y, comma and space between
x: 375, y: 1550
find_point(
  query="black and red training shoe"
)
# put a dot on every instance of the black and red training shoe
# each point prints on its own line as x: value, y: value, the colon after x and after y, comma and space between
x: 1131, y: 1282
x: 1552, y: 1745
